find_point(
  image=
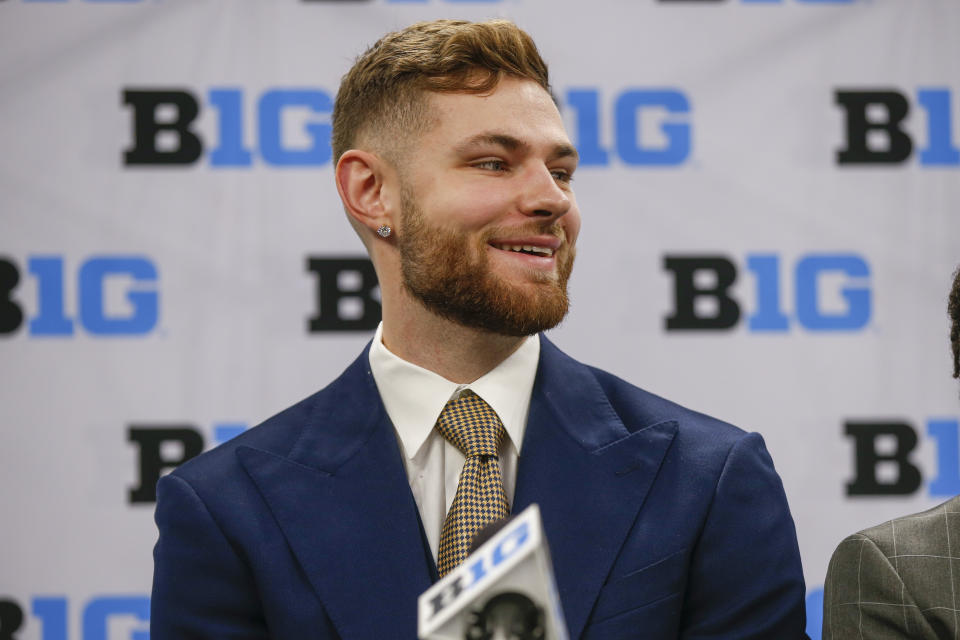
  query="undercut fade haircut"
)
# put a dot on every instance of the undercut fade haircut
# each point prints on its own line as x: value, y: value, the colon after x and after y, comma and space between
x: 953, y: 308
x: 382, y: 99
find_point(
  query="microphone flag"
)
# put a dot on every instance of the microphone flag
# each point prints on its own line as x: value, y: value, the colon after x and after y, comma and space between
x: 506, y: 583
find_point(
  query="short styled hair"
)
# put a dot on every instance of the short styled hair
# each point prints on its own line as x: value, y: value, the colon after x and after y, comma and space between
x: 384, y: 94
x: 953, y: 309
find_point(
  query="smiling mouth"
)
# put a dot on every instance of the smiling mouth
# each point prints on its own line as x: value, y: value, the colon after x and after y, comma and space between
x: 528, y: 249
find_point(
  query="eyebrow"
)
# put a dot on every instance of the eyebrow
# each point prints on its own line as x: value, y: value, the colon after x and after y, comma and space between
x: 510, y: 143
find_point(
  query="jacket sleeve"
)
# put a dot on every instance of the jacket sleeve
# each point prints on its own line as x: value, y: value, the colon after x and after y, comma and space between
x: 202, y: 588
x: 864, y: 596
x: 746, y: 580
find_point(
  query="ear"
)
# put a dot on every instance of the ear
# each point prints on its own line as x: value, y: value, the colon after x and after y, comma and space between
x: 361, y: 178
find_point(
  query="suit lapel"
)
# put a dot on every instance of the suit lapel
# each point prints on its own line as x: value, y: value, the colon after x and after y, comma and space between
x: 343, y: 501
x: 588, y: 473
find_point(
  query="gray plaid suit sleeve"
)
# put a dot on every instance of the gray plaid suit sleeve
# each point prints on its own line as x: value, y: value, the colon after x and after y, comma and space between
x: 898, y: 580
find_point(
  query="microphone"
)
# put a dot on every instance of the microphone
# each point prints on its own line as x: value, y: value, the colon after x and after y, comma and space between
x: 504, y: 590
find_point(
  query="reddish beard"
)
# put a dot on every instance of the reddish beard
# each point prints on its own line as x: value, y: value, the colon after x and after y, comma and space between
x: 453, y: 279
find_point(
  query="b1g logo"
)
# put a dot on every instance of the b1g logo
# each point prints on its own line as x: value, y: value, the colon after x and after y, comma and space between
x: 164, y: 447
x: 881, y: 457
x: 163, y: 131
x: 703, y: 300
x: 874, y: 128
x: 134, y: 314
x: 102, y: 618
x: 651, y: 127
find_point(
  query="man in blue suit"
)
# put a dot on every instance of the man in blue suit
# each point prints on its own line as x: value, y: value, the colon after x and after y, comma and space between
x: 329, y: 519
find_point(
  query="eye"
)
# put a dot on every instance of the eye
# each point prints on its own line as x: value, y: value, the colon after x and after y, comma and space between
x: 562, y: 175
x: 492, y: 164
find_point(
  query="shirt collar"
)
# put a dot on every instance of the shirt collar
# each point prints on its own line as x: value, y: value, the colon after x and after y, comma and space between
x: 414, y: 396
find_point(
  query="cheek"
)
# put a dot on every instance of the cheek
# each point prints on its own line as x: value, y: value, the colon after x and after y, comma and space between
x: 469, y: 208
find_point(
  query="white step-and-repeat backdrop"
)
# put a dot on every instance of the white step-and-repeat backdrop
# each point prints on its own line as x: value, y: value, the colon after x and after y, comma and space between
x: 770, y: 196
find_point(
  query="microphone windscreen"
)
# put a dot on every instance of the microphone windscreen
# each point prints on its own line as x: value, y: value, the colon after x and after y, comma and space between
x: 505, y: 588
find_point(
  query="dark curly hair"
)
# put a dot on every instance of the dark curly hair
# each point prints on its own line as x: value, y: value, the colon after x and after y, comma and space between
x: 953, y: 308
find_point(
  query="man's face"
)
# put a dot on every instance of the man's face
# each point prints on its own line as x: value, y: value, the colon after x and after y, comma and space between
x: 491, y: 176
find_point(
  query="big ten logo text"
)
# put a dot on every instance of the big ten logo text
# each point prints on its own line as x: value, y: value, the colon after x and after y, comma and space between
x: 478, y: 566
x: 651, y: 127
x: 163, y: 133
x: 114, y: 295
x: 875, y: 122
x: 102, y: 618
x: 831, y: 292
x: 164, y: 447
x: 882, y: 462
x: 347, y: 295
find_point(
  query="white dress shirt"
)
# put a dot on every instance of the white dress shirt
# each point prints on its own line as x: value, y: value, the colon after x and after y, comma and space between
x: 414, y: 397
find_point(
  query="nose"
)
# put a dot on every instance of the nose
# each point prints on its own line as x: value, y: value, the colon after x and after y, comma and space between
x: 542, y: 196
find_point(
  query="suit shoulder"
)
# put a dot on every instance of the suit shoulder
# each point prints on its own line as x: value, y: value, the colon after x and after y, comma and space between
x: 914, y: 532
x: 633, y: 403
x: 919, y: 531
x: 902, y: 568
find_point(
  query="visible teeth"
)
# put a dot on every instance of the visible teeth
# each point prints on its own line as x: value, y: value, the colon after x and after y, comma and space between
x: 547, y: 251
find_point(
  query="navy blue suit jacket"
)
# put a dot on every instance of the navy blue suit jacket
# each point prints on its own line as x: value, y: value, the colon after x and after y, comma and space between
x: 662, y: 522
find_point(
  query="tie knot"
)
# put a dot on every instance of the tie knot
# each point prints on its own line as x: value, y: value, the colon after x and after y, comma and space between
x: 471, y: 425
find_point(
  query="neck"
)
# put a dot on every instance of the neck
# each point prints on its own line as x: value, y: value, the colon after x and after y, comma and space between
x: 458, y: 353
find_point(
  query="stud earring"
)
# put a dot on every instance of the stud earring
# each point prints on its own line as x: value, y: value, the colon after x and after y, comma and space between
x: 384, y: 231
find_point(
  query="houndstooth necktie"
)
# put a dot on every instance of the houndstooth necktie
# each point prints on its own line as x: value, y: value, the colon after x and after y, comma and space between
x: 472, y: 426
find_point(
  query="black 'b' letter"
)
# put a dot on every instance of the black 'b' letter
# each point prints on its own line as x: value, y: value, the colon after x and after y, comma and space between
x: 855, y: 103
x: 347, y: 295
x: 146, y: 128
x: 867, y: 459
x: 153, y: 462
x: 11, y: 316
x: 11, y: 619
x: 686, y: 293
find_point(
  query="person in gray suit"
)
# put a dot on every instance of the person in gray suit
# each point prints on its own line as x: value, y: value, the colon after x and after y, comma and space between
x: 900, y: 579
